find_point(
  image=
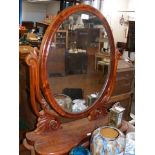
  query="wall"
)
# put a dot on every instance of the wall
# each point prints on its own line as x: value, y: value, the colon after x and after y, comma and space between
x: 38, y: 11
x: 131, y: 6
x: 53, y: 8
x: 110, y: 9
x: 33, y: 12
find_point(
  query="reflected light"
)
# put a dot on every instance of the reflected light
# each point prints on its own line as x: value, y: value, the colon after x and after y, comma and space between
x: 85, y: 16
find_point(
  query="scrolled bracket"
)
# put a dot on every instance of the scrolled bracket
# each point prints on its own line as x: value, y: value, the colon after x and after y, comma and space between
x: 108, y: 93
x: 32, y: 62
x: 93, y: 115
x: 102, y: 109
x: 47, y: 121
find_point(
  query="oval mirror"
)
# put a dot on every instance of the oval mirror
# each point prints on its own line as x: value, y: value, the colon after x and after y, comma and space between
x: 77, y: 60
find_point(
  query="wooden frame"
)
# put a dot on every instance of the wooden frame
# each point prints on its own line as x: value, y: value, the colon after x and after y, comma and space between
x: 48, y: 37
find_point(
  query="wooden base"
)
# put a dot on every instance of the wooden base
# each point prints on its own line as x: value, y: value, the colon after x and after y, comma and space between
x: 61, y: 141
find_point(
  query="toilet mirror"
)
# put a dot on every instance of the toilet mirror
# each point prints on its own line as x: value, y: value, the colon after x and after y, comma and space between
x: 77, y: 58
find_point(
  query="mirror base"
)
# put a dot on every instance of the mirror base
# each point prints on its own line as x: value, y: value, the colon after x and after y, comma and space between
x: 65, y: 138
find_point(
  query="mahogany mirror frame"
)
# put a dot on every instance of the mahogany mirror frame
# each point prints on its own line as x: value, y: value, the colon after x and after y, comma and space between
x: 44, y: 49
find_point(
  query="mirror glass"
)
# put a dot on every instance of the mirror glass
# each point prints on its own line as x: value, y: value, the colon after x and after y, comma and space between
x: 78, y: 62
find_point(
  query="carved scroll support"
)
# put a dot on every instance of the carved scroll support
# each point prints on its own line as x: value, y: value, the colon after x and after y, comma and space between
x: 47, y: 121
x: 111, y: 85
x: 101, y: 110
x: 95, y: 114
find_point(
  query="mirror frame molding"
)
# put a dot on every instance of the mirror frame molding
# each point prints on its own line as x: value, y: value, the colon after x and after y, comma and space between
x: 44, y: 49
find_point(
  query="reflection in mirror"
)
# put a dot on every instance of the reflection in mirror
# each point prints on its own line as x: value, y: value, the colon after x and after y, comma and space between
x: 78, y: 62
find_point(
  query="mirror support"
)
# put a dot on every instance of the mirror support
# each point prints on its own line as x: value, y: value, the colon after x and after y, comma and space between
x: 47, y: 120
x: 44, y: 140
x: 102, y: 110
